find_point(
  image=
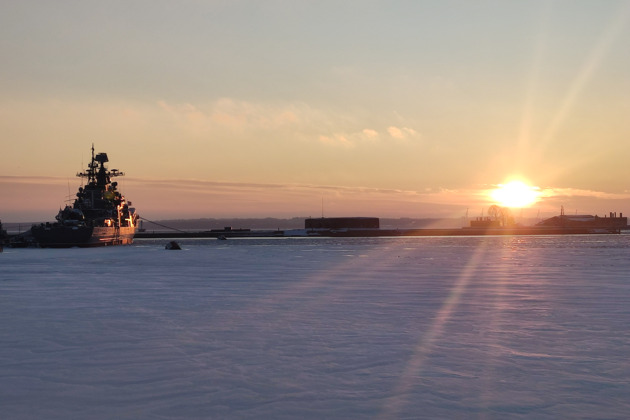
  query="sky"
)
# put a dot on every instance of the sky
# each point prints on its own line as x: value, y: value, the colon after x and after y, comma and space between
x: 309, y: 108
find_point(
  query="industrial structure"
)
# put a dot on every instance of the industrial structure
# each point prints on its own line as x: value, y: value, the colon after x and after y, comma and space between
x: 338, y: 223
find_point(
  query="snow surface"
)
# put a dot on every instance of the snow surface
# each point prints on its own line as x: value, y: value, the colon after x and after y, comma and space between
x: 314, y: 328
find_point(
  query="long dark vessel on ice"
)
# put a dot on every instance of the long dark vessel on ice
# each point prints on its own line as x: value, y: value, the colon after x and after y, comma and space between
x: 99, y: 216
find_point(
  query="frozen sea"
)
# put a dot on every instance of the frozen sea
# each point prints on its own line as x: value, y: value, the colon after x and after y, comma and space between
x: 528, y: 327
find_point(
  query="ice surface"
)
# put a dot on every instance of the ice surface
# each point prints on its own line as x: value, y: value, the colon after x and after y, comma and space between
x: 313, y: 328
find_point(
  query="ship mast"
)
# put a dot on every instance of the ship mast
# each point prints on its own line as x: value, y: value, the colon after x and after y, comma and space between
x: 99, y: 176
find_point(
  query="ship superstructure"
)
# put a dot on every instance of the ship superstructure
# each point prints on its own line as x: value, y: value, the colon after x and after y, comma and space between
x: 99, y: 216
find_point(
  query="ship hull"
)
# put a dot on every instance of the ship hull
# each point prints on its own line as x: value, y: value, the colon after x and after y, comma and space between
x: 56, y: 236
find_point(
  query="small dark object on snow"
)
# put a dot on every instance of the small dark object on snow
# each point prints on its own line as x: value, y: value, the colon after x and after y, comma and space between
x: 173, y: 245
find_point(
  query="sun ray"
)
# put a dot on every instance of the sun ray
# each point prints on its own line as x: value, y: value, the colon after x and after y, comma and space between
x: 413, y: 369
x: 593, y: 60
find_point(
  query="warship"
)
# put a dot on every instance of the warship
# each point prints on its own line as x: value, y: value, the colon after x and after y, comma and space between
x: 99, y: 216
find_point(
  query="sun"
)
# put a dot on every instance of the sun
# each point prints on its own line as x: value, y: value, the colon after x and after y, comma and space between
x: 515, y: 194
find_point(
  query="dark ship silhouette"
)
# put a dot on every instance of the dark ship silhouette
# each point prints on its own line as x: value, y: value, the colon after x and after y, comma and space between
x: 99, y: 216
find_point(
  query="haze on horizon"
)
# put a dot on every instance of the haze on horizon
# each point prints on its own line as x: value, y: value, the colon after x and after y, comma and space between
x: 267, y: 109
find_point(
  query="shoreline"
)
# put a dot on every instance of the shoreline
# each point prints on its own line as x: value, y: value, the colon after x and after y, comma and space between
x: 246, y: 233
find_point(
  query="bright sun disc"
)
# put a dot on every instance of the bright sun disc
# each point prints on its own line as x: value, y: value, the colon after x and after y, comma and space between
x: 515, y: 194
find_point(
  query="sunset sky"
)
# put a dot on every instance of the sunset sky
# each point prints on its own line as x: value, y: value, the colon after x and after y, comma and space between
x: 271, y: 108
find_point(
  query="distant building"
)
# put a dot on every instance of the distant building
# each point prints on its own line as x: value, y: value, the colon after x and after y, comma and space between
x: 333, y: 223
x: 587, y: 221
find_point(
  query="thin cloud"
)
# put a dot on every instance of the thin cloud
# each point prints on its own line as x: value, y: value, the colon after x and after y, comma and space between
x: 336, y: 140
x: 576, y: 192
x: 351, y: 140
x: 370, y: 134
x: 162, y: 198
x: 401, y: 133
x: 228, y: 113
x: 37, y: 180
x: 197, y: 185
x: 301, y: 121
